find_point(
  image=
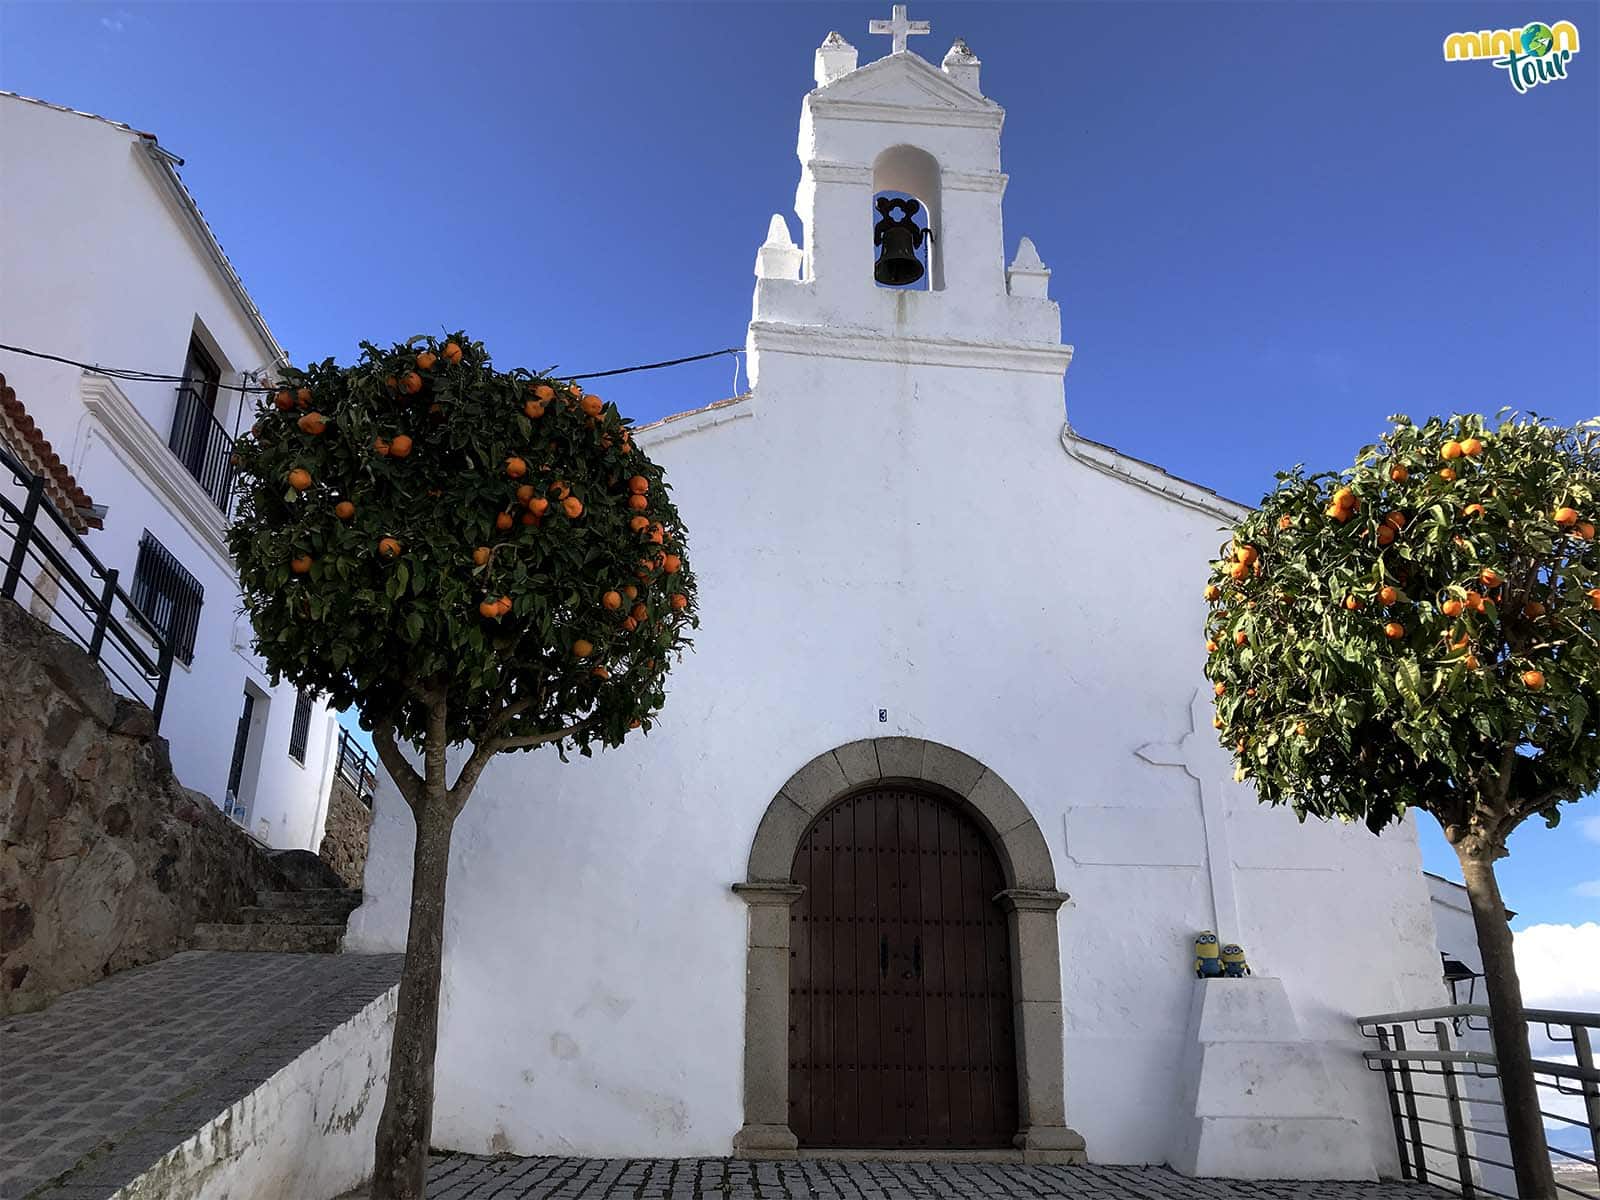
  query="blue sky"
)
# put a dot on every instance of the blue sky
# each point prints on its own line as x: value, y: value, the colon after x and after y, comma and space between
x: 1271, y: 225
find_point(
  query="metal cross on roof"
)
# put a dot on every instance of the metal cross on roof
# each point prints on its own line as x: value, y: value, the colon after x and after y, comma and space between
x: 899, y: 27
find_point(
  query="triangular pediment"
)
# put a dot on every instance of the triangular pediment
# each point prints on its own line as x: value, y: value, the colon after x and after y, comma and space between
x: 903, y: 81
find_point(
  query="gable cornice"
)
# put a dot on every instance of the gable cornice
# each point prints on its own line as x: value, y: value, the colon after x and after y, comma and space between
x: 964, y: 109
x: 1108, y: 461
x: 147, y: 457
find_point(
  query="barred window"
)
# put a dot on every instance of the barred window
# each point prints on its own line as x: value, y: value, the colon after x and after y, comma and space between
x: 167, y: 597
x: 302, y: 726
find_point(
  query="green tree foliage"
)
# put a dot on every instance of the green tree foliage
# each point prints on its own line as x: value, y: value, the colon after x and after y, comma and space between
x: 465, y: 555
x: 1422, y: 630
x: 380, y: 608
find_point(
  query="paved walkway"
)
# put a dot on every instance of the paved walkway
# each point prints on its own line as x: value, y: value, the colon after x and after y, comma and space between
x: 467, y: 1177
x: 97, y: 1087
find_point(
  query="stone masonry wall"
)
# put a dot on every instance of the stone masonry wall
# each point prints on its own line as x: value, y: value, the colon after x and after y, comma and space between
x: 106, y: 861
x: 344, y: 836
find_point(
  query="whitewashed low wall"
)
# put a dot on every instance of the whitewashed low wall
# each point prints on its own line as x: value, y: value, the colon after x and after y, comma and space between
x: 305, y: 1134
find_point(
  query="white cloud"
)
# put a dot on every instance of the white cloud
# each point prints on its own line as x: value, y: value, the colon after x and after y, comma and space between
x: 113, y: 24
x: 1591, y: 828
x: 1559, y: 965
x: 1589, y: 888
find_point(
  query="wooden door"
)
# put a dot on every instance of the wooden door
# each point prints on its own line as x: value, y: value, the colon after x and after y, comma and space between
x: 900, y: 980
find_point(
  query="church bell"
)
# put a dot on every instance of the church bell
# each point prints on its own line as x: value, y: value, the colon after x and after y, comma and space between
x: 898, y: 238
x: 898, y: 264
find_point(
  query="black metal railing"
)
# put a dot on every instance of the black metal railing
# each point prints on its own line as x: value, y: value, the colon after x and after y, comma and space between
x: 1467, y: 1105
x: 357, y: 766
x: 45, y: 556
x: 203, y: 446
x: 300, y: 731
x: 167, y: 597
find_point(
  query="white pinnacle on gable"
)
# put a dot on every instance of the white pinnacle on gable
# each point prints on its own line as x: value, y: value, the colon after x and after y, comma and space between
x: 835, y: 57
x: 779, y: 257
x: 898, y: 27
x: 961, y: 64
x: 1027, y: 275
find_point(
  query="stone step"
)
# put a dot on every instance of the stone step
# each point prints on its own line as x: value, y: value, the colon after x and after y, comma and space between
x: 317, y: 915
x: 332, y: 900
x: 293, y: 939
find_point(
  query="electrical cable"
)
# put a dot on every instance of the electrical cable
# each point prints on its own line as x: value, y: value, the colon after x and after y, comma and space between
x: 129, y: 375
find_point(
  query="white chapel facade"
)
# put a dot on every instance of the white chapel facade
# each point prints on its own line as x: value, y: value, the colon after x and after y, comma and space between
x: 915, y: 857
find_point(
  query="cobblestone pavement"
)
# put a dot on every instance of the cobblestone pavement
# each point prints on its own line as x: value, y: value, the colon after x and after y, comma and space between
x: 97, y: 1087
x: 467, y: 1177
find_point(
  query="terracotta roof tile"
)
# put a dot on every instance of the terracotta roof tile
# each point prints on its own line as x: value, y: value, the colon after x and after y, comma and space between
x: 18, y: 430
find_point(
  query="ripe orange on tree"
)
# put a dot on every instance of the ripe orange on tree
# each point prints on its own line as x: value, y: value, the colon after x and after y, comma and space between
x: 516, y: 467
x: 344, y: 510
x: 1490, y: 577
x: 533, y: 410
x: 679, y: 601
x: 452, y: 352
x: 1474, y: 510
x: 573, y: 507
x: 300, y: 564
x: 1566, y: 517
x: 1450, y: 450
x: 1240, y: 637
x: 399, y: 446
x: 426, y: 359
x: 312, y: 423
x: 1533, y: 680
x: 1448, y: 474
x: 489, y: 610
x: 503, y: 521
x: 1399, y: 474
x: 638, y: 501
x: 1451, y: 607
x: 1394, y: 630
x: 283, y: 401
x: 592, y: 405
x: 638, y: 485
x: 538, y: 506
x: 481, y: 556
x: 612, y: 600
x: 1472, y: 447
x: 671, y: 563
x: 411, y: 383
x: 299, y: 479
x: 389, y: 547
x: 380, y: 447
x: 544, y: 392
x: 582, y: 648
x: 1388, y: 594
x: 1584, y: 530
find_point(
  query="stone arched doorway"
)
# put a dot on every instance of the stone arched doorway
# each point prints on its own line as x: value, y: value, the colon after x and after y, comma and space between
x: 1028, y: 900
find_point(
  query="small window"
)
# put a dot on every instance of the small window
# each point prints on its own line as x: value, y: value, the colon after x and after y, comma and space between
x: 302, y: 726
x: 167, y: 597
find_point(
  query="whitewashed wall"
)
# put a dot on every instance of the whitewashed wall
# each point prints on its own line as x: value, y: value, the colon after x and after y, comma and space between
x: 891, y: 523
x: 99, y: 264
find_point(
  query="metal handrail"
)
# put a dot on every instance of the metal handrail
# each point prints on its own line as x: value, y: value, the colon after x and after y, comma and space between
x: 29, y: 543
x: 203, y: 446
x: 1398, y: 1063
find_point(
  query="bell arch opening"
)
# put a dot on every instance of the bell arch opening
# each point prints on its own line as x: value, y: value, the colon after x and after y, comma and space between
x: 906, y: 210
x: 1024, y: 899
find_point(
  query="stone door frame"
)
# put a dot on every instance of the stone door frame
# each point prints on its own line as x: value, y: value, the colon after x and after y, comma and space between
x: 1030, y: 899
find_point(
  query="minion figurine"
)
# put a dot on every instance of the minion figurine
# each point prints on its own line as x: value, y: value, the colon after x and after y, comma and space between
x: 1206, y: 963
x: 1233, y: 963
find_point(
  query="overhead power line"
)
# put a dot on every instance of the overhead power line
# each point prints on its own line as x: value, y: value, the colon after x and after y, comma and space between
x: 130, y: 375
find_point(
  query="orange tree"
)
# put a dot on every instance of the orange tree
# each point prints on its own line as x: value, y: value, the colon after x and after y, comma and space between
x: 1423, y: 631
x: 467, y: 556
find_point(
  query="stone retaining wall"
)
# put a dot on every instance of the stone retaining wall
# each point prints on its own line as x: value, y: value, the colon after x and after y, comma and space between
x: 106, y: 861
x: 344, y: 836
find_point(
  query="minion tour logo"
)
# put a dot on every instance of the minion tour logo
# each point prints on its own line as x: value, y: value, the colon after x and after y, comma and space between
x: 1537, y: 53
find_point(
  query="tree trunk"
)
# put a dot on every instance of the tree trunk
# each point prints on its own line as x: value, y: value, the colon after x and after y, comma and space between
x: 401, y: 1166
x: 1529, y: 1153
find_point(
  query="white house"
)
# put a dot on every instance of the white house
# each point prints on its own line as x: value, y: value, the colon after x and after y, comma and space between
x: 106, y: 259
x: 916, y: 857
